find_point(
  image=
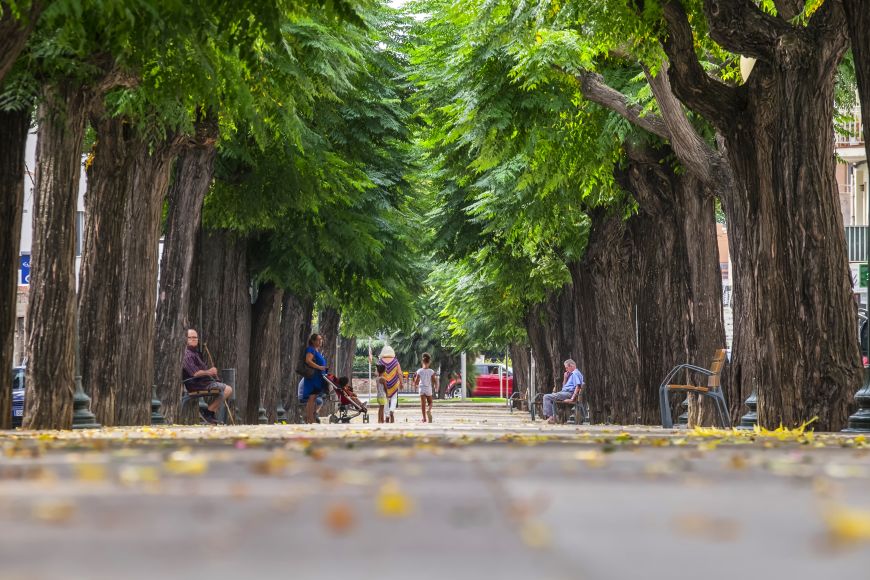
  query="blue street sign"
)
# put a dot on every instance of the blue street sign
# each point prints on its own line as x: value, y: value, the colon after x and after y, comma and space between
x: 25, y: 270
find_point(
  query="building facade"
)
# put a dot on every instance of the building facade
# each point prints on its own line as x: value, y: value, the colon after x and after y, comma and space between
x: 853, y: 184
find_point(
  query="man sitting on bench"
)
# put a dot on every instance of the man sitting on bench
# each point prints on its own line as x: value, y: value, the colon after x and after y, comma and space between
x: 198, y: 377
x: 570, y: 390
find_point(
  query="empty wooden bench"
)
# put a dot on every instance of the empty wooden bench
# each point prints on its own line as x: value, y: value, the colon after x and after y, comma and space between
x: 713, y: 389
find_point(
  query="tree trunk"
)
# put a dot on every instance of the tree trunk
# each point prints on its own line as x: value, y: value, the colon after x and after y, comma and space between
x: 13, y: 134
x: 796, y: 341
x: 100, y: 328
x: 706, y: 317
x: 520, y: 361
x: 328, y: 324
x: 14, y: 34
x: 265, y: 382
x: 679, y: 291
x: 448, y: 366
x: 296, y: 316
x: 794, y: 338
x: 220, y: 305
x: 604, y: 286
x: 146, y: 190
x: 51, y: 311
x: 543, y: 324
x: 194, y: 170
x: 347, y: 349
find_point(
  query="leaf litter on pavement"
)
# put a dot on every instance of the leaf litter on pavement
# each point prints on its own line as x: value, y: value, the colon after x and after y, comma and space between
x: 126, y: 457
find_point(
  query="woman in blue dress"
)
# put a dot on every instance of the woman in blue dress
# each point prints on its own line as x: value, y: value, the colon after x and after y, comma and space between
x: 313, y: 385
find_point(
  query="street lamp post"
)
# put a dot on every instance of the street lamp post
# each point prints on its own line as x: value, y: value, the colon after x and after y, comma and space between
x: 462, y: 372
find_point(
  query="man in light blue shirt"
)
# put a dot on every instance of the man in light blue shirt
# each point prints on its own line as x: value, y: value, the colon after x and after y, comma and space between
x: 570, y: 390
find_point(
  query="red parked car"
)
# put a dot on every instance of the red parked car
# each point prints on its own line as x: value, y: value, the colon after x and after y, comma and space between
x: 487, y: 383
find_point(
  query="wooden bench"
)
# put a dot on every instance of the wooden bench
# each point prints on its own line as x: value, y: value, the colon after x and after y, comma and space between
x: 518, y: 401
x: 578, y: 406
x: 200, y: 396
x: 191, y: 416
x: 713, y: 389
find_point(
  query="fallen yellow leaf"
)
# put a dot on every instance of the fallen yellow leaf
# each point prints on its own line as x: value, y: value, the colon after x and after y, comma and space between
x: 392, y: 502
x: 184, y: 463
x: 90, y: 472
x: 846, y: 524
x: 593, y: 459
x: 137, y: 474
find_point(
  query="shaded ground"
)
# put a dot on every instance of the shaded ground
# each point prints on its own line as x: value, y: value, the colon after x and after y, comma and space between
x: 480, y: 493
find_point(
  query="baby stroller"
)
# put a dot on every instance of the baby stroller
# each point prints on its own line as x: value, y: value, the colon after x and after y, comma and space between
x: 346, y: 407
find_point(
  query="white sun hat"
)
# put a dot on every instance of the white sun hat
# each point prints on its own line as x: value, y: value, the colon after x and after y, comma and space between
x: 387, y: 352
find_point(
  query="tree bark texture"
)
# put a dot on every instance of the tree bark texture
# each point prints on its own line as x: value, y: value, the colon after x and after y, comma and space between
x: 194, y: 170
x: 607, y: 354
x: 13, y: 134
x: 520, y: 361
x: 328, y: 325
x: 51, y: 311
x: 546, y: 325
x: 679, y: 285
x: 14, y: 34
x: 347, y: 349
x: 264, y: 387
x: 794, y: 313
x: 296, y: 314
x: 146, y: 190
x: 220, y: 305
x: 796, y: 342
x: 99, y: 299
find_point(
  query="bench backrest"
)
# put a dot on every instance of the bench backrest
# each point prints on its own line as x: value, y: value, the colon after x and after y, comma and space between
x: 716, y: 368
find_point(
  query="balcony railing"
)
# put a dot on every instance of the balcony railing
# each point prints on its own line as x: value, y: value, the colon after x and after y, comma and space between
x: 856, y: 242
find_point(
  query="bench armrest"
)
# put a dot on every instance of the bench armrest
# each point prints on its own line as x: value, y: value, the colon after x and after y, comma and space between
x: 688, y: 366
x: 706, y: 372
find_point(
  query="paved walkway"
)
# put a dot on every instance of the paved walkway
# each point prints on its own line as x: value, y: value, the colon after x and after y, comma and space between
x: 480, y: 493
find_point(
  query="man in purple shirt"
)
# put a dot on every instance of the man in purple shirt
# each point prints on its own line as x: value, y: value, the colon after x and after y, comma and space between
x: 199, y: 377
x: 570, y: 390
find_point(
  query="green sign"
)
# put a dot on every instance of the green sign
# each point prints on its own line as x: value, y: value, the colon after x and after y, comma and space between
x: 863, y: 275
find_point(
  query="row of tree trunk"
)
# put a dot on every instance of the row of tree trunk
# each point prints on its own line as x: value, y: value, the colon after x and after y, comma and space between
x: 123, y: 349
x: 647, y: 295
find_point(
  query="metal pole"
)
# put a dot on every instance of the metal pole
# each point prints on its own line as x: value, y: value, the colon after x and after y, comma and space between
x: 463, y: 374
x: 500, y: 383
x: 532, y: 384
x: 507, y: 388
x: 370, y: 369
